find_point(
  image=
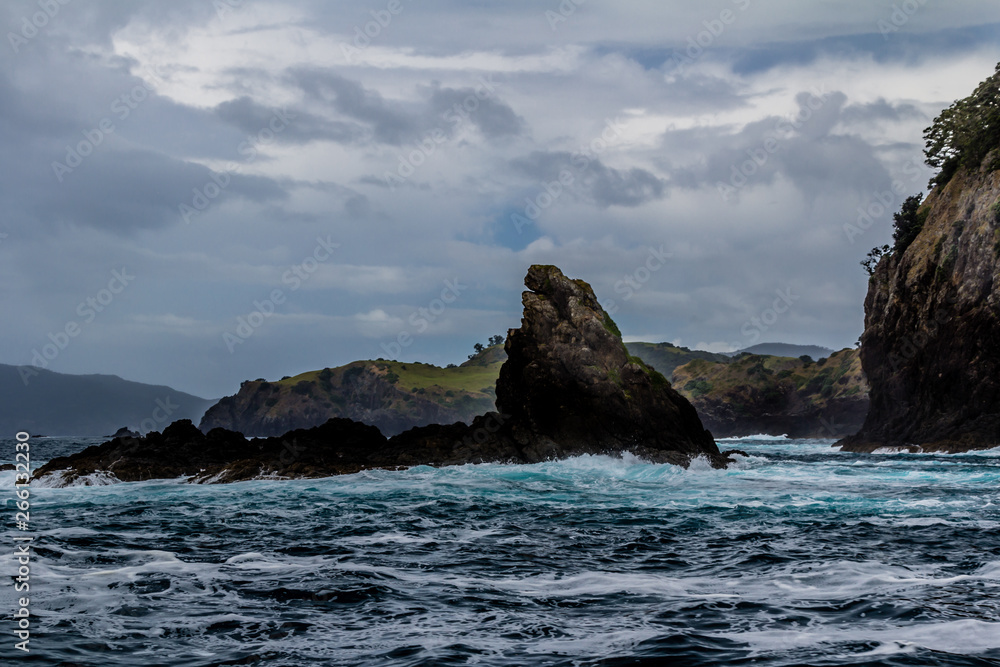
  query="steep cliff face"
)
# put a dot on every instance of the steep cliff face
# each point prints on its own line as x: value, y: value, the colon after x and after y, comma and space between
x: 931, y: 346
x: 778, y: 395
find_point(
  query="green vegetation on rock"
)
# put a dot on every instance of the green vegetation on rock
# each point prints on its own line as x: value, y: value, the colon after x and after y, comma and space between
x: 965, y: 133
x: 665, y: 357
x: 392, y: 395
x: 766, y: 394
x: 610, y: 325
x: 908, y: 222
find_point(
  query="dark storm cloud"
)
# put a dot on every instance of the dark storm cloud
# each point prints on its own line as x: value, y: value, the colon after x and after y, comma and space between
x: 879, y: 110
x: 392, y: 122
x: 801, y: 148
x: 115, y: 160
x: 493, y: 118
x: 592, y: 180
x: 251, y: 117
x: 389, y: 122
x: 386, y: 184
x: 882, y: 44
x: 94, y: 23
x: 131, y: 190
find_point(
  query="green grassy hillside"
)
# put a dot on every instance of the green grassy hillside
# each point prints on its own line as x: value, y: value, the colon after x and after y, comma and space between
x: 391, y: 395
x: 777, y: 395
x: 665, y: 357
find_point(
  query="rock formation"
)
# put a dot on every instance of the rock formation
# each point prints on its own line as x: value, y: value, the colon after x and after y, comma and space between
x: 570, y: 383
x: 931, y: 345
x: 568, y: 387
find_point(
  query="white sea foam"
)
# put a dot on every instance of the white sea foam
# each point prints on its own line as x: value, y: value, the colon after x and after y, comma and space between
x: 961, y: 637
x: 760, y: 436
x: 58, y: 479
x: 558, y: 560
x: 894, y: 450
x: 988, y: 453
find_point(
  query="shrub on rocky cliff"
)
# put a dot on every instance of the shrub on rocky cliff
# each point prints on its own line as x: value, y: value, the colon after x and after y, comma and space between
x: 966, y: 132
x: 908, y: 222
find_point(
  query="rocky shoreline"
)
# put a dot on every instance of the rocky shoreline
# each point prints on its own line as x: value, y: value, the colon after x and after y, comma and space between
x: 568, y: 387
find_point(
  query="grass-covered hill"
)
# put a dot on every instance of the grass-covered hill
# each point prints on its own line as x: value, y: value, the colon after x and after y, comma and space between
x: 777, y: 395
x: 665, y: 357
x: 391, y: 395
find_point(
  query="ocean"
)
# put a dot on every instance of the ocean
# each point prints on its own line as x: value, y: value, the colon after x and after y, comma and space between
x: 797, y: 555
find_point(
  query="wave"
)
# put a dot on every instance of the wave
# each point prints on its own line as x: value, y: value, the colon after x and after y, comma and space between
x: 988, y: 453
x: 759, y: 436
x: 588, y: 560
x: 959, y: 637
x: 58, y: 479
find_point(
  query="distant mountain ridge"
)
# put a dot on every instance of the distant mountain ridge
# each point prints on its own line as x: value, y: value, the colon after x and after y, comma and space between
x: 96, y: 405
x: 785, y: 350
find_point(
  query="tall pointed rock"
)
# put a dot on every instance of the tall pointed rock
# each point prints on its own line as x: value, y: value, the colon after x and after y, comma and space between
x: 569, y: 385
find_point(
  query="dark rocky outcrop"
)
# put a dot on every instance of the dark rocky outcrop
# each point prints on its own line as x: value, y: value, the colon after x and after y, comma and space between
x: 931, y: 345
x: 570, y: 384
x: 339, y: 446
x: 568, y: 387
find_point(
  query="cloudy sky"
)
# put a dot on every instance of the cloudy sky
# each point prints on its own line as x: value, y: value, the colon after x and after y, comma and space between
x: 199, y: 192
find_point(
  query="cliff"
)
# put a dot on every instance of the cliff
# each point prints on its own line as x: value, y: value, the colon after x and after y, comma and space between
x: 931, y: 345
x: 778, y: 395
x: 568, y: 387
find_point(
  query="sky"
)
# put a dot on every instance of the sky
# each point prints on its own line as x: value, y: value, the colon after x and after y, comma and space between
x: 201, y: 192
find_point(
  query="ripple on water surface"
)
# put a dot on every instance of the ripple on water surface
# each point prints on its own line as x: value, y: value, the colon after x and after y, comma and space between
x: 798, y: 554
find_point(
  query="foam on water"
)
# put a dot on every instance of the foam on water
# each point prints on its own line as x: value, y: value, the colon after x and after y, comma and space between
x: 957, y: 637
x: 797, y: 554
x: 760, y: 437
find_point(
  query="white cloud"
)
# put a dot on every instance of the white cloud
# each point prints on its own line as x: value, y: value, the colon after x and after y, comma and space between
x: 450, y: 220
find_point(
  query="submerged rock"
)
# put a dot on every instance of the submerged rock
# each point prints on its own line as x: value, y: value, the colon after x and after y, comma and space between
x: 568, y: 387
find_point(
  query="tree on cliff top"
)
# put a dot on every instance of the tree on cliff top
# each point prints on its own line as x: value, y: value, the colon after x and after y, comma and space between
x: 965, y: 132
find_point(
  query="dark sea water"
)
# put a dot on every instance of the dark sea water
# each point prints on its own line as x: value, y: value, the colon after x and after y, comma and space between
x: 798, y: 555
